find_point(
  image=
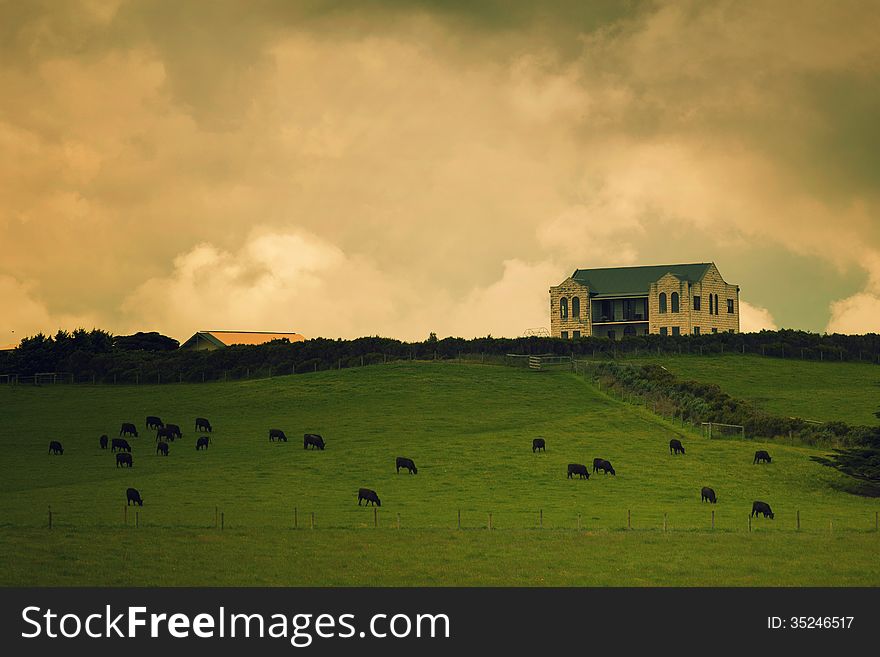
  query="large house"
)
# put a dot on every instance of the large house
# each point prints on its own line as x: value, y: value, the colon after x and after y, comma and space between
x: 209, y: 340
x: 615, y: 302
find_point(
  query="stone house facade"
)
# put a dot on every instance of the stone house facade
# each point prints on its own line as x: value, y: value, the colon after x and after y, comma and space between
x: 684, y: 299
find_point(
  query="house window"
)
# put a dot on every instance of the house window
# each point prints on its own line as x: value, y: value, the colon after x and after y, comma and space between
x: 714, y: 330
x: 731, y: 331
x: 575, y: 334
x: 563, y: 308
x: 696, y: 330
x: 716, y: 304
x: 564, y: 335
x: 676, y: 330
x: 675, y: 302
x: 664, y: 330
x: 575, y: 307
x: 730, y: 306
x: 663, y: 302
x: 710, y: 304
x: 696, y: 303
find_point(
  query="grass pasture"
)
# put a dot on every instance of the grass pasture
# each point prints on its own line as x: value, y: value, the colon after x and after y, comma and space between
x: 468, y: 428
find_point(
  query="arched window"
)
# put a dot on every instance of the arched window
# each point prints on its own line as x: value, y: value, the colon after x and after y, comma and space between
x: 563, y: 308
x: 675, y: 302
x: 716, y: 304
x: 575, y: 307
x: 663, y: 302
x: 711, y: 301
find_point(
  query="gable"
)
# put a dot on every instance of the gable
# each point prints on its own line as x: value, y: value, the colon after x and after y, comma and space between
x: 635, y: 280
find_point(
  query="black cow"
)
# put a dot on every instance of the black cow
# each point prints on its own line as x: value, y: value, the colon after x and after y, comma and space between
x: 121, y: 444
x: 123, y: 460
x: 55, y: 447
x: 368, y: 495
x: 276, y: 434
x: 675, y: 446
x: 538, y: 443
x: 103, y: 441
x: 162, y: 448
x: 312, y: 439
x: 202, y: 424
x: 762, y: 508
x: 202, y: 443
x: 604, y: 466
x: 129, y: 429
x: 154, y: 422
x: 578, y: 469
x: 173, y: 431
x: 164, y: 433
x: 761, y: 456
x: 403, y: 462
x: 707, y: 495
x: 134, y: 495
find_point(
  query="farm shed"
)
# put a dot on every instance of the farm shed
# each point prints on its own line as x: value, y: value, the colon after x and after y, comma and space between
x: 210, y: 340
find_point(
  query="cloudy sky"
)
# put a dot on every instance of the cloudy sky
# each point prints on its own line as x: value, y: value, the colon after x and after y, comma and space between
x: 396, y: 168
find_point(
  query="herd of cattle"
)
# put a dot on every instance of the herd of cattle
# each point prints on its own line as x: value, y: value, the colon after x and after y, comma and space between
x: 675, y: 447
x: 167, y: 432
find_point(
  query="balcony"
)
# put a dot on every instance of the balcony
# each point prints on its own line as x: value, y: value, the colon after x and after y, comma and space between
x: 620, y: 311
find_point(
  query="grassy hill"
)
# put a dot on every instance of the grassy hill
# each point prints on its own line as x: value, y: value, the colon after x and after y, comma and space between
x: 812, y: 390
x: 468, y: 428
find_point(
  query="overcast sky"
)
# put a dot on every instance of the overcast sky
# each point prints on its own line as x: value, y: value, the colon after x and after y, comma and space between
x: 396, y: 168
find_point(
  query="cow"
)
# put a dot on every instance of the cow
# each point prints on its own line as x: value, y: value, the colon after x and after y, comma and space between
x: 154, y: 422
x: 578, y: 469
x: 128, y: 429
x: 123, y: 459
x: 604, y: 466
x: 202, y: 443
x: 164, y: 433
x: 707, y: 495
x: 761, y: 456
x: 202, y: 424
x: 55, y: 447
x: 121, y: 444
x: 173, y: 431
x: 133, y: 495
x: 276, y: 434
x: 675, y: 446
x: 313, y: 439
x: 368, y: 495
x: 538, y: 443
x: 762, y: 508
x: 162, y: 448
x: 403, y: 462
x: 103, y: 441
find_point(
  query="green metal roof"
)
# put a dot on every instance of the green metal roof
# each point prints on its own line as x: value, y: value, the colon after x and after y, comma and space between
x: 635, y: 280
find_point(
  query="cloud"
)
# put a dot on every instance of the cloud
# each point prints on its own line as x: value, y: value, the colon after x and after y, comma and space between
x: 754, y: 318
x: 859, y: 313
x: 24, y: 314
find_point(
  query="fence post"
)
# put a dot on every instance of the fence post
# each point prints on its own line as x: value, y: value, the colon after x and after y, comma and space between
x: 579, y: 522
x: 312, y: 520
x: 541, y: 518
x: 875, y: 522
x: 628, y: 519
x: 294, y: 518
x: 137, y: 519
x: 50, y: 517
x: 664, y: 522
x: 398, y: 519
x: 713, y: 519
x: 750, y: 523
x: 375, y: 517
x: 798, y: 519
x: 222, y: 521
x: 459, y: 518
x: 216, y: 517
x: 490, y: 520
x: 125, y: 515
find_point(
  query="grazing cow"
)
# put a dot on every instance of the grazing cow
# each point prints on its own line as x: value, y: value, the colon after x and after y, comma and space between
x: 538, y: 443
x: 202, y: 443
x: 164, y: 433
x: 313, y: 439
x: 129, y: 429
x: 368, y: 495
x: 276, y: 434
x: 762, y: 508
x: 121, y: 444
x: 55, y: 447
x: 123, y: 459
x: 604, y: 466
x: 403, y: 462
x: 134, y: 495
x: 707, y: 495
x: 173, y: 431
x: 154, y: 422
x: 761, y: 456
x: 578, y: 469
x: 675, y: 446
x: 162, y: 448
x: 202, y: 424
x: 103, y: 441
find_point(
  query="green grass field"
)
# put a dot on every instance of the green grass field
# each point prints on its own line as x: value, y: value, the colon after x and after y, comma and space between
x: 789, y: 387
x: 469, y: 429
